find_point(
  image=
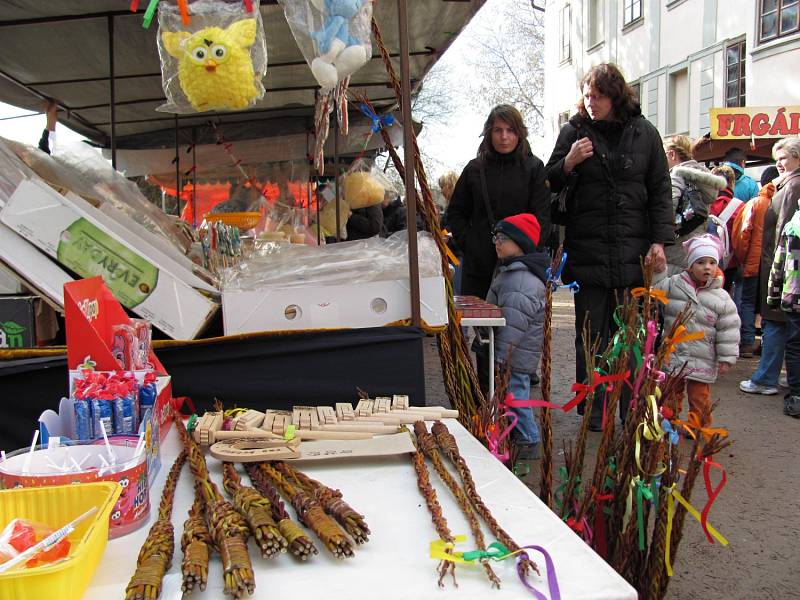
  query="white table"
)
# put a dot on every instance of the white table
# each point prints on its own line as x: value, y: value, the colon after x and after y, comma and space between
x: 395, y: 563
x: 491, y: 323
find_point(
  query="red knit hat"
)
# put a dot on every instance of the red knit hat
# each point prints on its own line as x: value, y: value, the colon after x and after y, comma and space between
x: 522, y: 229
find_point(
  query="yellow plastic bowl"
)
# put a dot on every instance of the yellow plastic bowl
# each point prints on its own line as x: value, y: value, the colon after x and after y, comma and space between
x: 242, y: 220
x: 56, y: 506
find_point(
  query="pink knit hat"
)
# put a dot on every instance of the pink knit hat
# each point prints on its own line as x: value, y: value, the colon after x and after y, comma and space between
x: 706, y: 245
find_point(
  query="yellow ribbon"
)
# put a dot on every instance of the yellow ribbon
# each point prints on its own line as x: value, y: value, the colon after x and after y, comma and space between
x: 451, y: 257
x: 654, y: 293
x: 442, y: 550
x: 674, y: 493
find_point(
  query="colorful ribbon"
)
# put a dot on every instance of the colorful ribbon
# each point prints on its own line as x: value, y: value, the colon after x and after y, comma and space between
x: 692, y: 424
x: 581, y: 391
x: 553, y: 278
x: 494, y: 440
x: 378, y: 121
x: 681, y: 336
x: 184, y: 8
x: 655, y: 294
x: 642, y: 492
x: 712, y: 492
x: 149, y: 13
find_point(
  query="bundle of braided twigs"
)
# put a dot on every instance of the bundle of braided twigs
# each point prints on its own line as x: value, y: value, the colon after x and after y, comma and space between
x: 428, y: 445
x: 300, y: 545
x: 331, y: 501
x: 545, y: 418
x: 461, y: 382
x: 227, y: 527
x: 311, y: 514
x: 155, y: 556
x: 196, y: 544
x: 257, y: 512
x: 439, y: 522
x: 447, y: 443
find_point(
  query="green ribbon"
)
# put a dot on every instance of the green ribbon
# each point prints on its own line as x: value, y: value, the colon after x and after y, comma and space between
x: 191, y: 424
x: 642, y: 492
x: 559, y: 493
x: 495, y: 551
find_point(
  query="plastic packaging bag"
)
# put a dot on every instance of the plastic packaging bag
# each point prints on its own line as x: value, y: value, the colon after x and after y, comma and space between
x: 327, y: 214
x: 217, y: 62
x: 21, y: 534
x: 364, y: 185
x: 333, y: 35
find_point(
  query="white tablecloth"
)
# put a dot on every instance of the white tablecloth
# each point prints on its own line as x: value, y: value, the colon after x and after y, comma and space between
x: 395, y: 563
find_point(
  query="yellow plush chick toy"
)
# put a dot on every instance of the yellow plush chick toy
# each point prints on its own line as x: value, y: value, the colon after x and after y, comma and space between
x: 214, y: 66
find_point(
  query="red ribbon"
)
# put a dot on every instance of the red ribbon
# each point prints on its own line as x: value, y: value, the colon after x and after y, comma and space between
x: 248, y: 5
x: 600, y: 543
x: 581, y: 389
x: 712, y: 492
x: 134, y: 5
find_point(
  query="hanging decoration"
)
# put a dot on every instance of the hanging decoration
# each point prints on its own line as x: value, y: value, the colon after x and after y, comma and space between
x: 333, y: 35
x: 212, y: 59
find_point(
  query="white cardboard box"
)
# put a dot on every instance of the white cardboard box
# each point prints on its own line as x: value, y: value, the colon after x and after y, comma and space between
x: 371, y: 304
x: 84, y: 240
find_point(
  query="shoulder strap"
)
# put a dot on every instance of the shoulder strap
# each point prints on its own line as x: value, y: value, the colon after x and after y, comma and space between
x: 729, y: 210
x: 485, y: 192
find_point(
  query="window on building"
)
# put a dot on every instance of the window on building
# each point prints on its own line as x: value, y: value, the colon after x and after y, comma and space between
x: 563, y: 118
x: 678, y: 115
x: 565, y: 52
x: 734, y: 74
x: 594, y: 22
x: 631, y: 11
x: 778, y: 18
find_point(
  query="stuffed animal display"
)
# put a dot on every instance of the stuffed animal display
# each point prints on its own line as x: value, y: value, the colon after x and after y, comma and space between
x: 340, y: 54
x: 214, y: 65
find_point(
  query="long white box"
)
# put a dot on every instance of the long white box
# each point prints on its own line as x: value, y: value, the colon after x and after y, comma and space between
x: 83, y: 239
x: 371, y: 304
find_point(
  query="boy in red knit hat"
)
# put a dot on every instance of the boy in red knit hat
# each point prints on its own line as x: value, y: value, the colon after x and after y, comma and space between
x: 518, y: 288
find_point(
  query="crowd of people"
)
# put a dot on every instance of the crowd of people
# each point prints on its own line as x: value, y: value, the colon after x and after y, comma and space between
x: 717, y: 241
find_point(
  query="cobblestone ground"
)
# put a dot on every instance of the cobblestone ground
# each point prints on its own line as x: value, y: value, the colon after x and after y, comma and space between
x: 758, y: 510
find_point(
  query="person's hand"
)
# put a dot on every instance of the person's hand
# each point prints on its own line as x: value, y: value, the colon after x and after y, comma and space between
x: 51, y: 110
x: 723, y: 368
x: 581, y: 150
x: 656, y: 257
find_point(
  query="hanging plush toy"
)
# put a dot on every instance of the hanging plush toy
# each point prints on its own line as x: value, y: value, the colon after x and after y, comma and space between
x: 333, y: 35
x: 217, y: 62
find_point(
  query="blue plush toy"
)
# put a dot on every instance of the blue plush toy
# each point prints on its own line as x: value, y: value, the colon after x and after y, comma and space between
x: 340, y: 54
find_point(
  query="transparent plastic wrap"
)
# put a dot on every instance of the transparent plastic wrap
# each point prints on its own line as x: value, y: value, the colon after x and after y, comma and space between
x: 216, y: 62
x: 327, y: 214
x: 83, y: 170
x: 374, y: 259
x: 333, y: 35
x: 364, y: 185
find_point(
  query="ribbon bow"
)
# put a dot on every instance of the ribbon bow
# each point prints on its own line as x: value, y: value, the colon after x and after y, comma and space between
x: 669, y: 431
x: 495, y: 439
x: 692, y: 424
x: 553, y: 278
x: 654, y: 293
x: 681, y: 336
x: 378, y: 121
x: 642, y: 492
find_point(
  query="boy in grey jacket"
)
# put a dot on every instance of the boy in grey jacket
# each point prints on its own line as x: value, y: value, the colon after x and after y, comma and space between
x: 518, y: 288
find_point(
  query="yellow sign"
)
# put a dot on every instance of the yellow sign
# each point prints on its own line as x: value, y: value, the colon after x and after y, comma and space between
x: 744, y: 123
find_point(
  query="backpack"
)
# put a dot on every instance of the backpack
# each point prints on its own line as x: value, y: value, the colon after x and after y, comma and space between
x: 721, y: 226
x: 692, y: 209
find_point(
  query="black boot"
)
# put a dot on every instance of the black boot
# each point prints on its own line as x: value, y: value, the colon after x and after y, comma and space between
x: 791, y: 406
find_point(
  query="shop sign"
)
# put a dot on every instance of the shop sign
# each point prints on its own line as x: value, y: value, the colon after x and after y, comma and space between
x: 745, y: 123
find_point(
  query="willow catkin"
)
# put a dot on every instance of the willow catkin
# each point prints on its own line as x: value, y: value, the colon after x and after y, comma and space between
x: 256, y: 511
x: 300, y: 545
x: 331, y: 501
x: 311, y: 514
x: 155, y: 555
x: 427, y: 443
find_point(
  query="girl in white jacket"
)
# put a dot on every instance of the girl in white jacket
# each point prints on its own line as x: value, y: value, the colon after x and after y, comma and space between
x: 714, y: 314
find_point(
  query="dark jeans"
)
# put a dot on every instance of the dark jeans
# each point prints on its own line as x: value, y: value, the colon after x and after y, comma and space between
x: 747, y: 310
x: 599, y: 304
x: 792, y: 352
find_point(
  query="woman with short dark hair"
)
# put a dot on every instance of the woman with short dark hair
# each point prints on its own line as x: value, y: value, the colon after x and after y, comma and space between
x: 618, y: 209
x: 505, y: 179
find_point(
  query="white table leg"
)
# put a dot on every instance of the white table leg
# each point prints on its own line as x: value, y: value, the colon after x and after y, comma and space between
x: 491, y: 363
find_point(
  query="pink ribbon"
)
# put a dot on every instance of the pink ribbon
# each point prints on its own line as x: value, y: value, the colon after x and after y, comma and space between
x: 494, y: 440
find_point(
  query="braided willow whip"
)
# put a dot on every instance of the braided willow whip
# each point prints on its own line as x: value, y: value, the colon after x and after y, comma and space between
x: 257, y: 512
x: 300, y: 545
x: 227, y: 527
x: 467, y: 395
x: 331, y: 502
x: 447, y: 443
x: 155, y: 556
x: 427, y: 442
x: 196, y: 544
x: 545, y: 418
x: 439, y: 522
x: 311, y: 514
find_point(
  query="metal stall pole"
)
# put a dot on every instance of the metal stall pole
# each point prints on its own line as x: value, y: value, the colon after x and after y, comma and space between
x: 112, y: 86
x: 408, y: 156
x: 177, y: 171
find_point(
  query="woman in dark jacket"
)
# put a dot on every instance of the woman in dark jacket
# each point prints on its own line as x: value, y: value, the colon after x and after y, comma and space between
x: 515, y: 183
x: 619, y: 205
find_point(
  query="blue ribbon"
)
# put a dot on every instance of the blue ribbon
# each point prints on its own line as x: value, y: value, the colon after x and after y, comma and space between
x: 378, y: 121
x: 670, y: 432
x: 553, y: 278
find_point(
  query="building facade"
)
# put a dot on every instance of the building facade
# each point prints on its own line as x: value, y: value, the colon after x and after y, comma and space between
x: 683, y: 57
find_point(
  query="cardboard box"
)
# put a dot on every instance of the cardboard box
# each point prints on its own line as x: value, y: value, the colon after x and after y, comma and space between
x: 17, y: 321
x: 371, y: 304
x: 88, y: 242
